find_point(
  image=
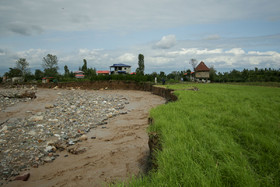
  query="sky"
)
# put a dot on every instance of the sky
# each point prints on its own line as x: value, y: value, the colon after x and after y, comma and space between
x: 226, y: 35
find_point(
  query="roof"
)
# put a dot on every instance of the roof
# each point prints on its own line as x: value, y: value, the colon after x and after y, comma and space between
x: 120, y: 65
x: 202, y: 67
x: 103, y: 72
x: 78, y: 72
x: 188, y: 73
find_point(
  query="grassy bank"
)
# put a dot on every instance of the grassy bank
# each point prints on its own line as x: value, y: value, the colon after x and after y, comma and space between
x: 221, y: 135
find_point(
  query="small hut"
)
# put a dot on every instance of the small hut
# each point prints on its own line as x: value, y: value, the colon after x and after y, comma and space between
x: 202, y: 71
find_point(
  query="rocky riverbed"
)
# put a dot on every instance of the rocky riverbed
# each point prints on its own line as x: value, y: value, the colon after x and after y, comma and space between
x: 35, y: 138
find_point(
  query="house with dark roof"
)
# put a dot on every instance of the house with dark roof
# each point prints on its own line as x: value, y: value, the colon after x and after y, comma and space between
x: 120, y: 69
x: 202, y: 71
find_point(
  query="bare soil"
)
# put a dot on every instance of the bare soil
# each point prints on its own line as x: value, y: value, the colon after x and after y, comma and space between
x: 114, y: 152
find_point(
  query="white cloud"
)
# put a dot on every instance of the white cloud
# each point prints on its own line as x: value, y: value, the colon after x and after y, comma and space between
x: 127, y: 57
x: 236, y: 51
x: 166, y: 42
x: 196, y: 51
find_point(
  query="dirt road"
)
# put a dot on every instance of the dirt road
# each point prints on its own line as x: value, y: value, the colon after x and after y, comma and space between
x: 114, y: 152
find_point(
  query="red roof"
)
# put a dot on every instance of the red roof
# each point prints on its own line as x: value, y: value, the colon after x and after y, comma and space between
x: 202, y: 67
x: 187, y: 73
x: 104, y: 72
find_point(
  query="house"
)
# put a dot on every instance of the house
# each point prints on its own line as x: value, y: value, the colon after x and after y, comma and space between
x: 202, y: 71
x: 102, y: 72
x: 17, y: 79
x: 48, y: 79
x: 120, y: 69
x: 79, y: 74
x: 190, y: 76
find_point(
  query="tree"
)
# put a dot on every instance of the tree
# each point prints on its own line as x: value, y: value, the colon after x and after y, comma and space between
x: 193, y: 62
x: 22, y: 65
x: 212, y: 74
x: 84, y: 67
x: 14, y: 72
x: 39, y: 74
x: 66, y: 71
x: 50, y: 65
x: 91, y: 72
x: 141, y: 66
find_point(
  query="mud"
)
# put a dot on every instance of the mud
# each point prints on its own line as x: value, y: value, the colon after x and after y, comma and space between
x: 114, y: 152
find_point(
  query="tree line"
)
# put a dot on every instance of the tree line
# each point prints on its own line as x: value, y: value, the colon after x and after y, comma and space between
x: 50, y: 69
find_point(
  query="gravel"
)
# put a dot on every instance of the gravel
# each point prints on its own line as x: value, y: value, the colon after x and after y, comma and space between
x: 37, y: 138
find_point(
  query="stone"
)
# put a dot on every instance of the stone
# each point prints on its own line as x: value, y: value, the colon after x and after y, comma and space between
x: 24, y: 177
x: 76, y: 150
x: 47, y: 159
x: 60, y: 127
x: 32, y: 133
x: 48, y: 149
x: 53, y: 120
x: 36, y: 118
x: 4, y: 128
x: 83, y: 137
x: 48, y: 106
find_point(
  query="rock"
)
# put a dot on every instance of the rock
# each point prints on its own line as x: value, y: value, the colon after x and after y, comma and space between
x: 36, y: 118
x: 39, y: 136
x: 53, y: 120
x: 48, y: 106
x: 32, y: 133
x: 50, y: 149
x: 83, y: 137
x: 4, y: 128
x: 47, y: 159
x: 71, y: 142
x: 24, y: 177
x: 76, y: 150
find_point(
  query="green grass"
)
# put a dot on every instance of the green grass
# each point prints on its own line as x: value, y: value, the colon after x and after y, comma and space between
x: 221, y: 135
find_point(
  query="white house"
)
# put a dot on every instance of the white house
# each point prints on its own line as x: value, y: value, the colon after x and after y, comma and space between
x: 120, y: 69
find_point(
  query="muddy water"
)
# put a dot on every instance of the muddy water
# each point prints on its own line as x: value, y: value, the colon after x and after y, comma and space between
x: 114, y: 151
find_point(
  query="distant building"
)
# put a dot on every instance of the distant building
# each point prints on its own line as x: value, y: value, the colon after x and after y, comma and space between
x: 120, y: 69
x: 202, y: 71
x: 17, y: 79
x: 190, y: 76
x: 48, y: 79
x: 79, y: 74
x: 102, y: 72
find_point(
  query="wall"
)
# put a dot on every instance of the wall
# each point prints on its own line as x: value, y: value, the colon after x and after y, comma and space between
x: 201, y: 74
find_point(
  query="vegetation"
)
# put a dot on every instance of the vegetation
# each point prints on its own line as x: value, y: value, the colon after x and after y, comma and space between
x: 22, y: 65
x: 141, y: 66
x: 50, y: 65
x: 256, y: 75
x: 221, y: 135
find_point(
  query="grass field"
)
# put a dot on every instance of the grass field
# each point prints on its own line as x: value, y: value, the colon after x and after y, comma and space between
x: 221, y: 135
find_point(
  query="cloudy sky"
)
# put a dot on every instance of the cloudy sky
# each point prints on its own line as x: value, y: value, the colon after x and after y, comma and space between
x: 231, y: 34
